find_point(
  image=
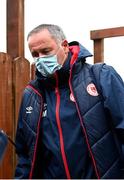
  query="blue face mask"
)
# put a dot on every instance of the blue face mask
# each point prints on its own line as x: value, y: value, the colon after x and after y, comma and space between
x: 47, y: 65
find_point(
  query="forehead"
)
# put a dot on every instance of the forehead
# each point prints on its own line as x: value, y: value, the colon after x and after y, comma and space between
x: 42, y: 38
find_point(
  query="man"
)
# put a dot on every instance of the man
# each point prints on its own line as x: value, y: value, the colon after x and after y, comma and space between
x: 71, y: 120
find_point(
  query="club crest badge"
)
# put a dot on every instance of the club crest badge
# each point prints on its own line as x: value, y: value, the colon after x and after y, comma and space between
x: 91, y: 89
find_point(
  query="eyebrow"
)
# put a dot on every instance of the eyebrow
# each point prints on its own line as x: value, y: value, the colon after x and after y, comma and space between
x: 46, y: 49
x: 35, y: 53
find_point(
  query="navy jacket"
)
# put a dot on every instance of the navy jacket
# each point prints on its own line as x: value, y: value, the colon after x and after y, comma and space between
x: 101, y: 120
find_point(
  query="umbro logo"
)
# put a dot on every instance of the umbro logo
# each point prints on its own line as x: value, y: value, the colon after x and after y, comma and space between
x: 29, y: 109
x: 44, y: 110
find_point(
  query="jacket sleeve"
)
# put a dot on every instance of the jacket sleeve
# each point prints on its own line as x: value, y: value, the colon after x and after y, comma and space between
x: 113, y: 92
x: 112, y: 87
x: 23, y: 161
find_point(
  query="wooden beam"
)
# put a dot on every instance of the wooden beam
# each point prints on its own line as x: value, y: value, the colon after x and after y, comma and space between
x: 107, y: 33
x: 15, y: 27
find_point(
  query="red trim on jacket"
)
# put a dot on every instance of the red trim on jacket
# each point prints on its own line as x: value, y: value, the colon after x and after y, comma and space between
x: 38, y: 130
x: 29, y: 86
x: 60, y: 129
x: 75, y: 50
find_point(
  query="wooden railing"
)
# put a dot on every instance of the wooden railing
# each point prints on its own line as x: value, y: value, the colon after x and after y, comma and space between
x: 98, y: 37
x: 14, y: 76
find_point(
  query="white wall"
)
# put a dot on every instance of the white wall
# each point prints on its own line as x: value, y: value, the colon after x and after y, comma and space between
x: 77, y: 18
x: 2, y: 25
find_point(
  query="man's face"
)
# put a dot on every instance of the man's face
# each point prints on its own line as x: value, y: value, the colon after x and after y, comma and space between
x: 42, y: 44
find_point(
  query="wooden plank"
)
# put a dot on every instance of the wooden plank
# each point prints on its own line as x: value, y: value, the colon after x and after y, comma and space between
x: 6, y: 113
x: 21, y: 76
x: 15, y: 27
x: 106, y: 33
x: 98, y: 50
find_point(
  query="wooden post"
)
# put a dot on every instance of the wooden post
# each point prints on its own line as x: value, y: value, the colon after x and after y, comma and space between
x: 15, y: 48
x: 15, y: 28
x: 98, y: 50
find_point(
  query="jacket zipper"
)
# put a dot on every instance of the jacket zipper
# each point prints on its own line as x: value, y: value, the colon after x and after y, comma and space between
x: 83, y: 127
x: 60, y: 129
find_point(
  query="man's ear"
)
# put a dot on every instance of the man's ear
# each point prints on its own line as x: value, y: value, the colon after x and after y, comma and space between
x: 65, y: 46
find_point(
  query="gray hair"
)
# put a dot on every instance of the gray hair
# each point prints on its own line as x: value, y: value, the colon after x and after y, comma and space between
x: 56, y: 32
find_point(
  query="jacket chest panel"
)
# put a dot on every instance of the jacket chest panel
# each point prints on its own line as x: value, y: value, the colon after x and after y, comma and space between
x: 91, y: 109
x: 95, y: 122
x: 32, y: 110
